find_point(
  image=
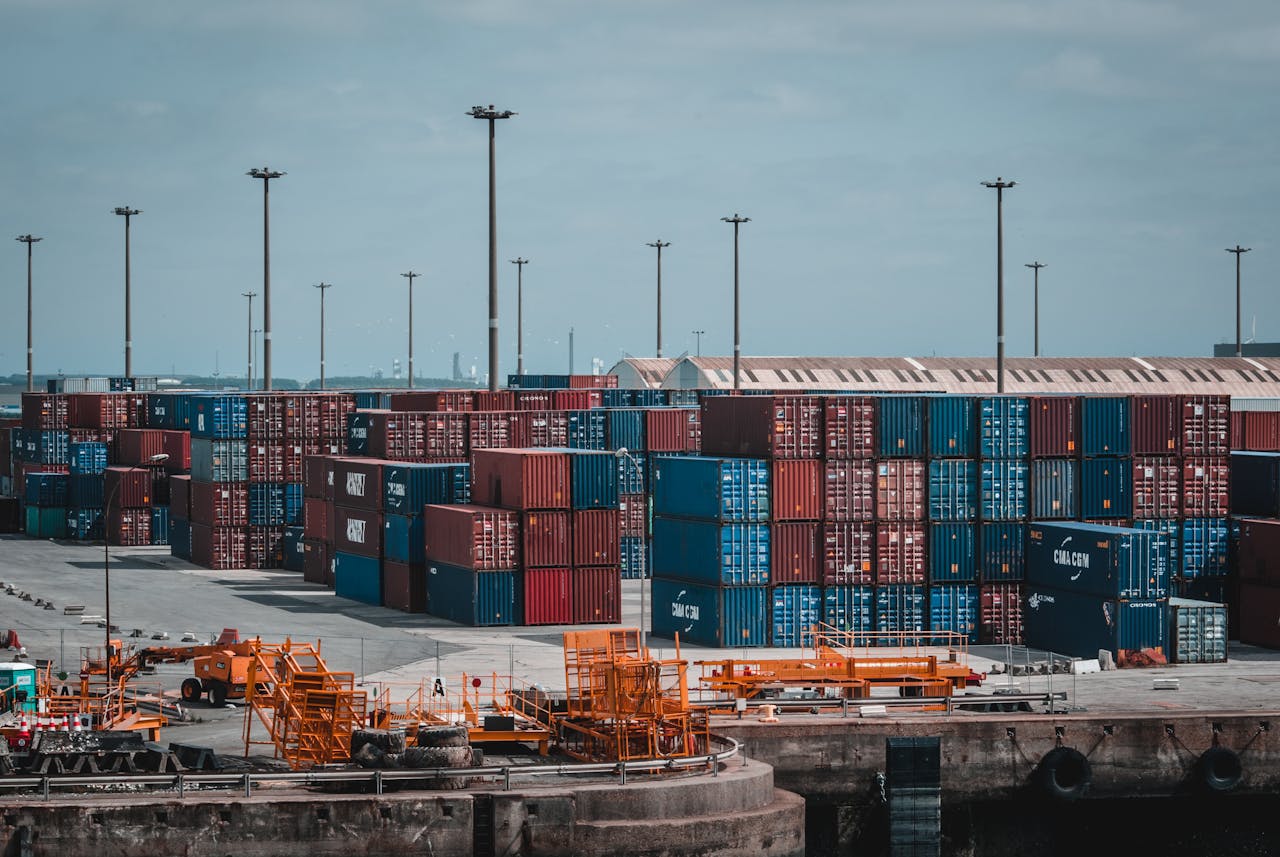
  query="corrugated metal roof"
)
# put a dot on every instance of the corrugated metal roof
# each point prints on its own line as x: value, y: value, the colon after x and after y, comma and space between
x: 641, y: 372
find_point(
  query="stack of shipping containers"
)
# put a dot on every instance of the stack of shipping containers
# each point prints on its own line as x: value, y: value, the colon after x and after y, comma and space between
x: 952, y: 565
x: 1005, y: 467
x: 408, y: 488
x: 1255, y: 506
x: 848, y: 536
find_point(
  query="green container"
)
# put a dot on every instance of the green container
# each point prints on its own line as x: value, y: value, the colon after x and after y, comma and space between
x: 47, y: 522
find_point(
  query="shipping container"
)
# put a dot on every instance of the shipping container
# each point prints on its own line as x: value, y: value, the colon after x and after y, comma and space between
x: 1203, y: 547
x: 317, y: 476
x: 1111, y: 562
x: 87, y: 458
x: 593, y: 478
x: 709, y: 615
x: 1002, y: 551
x: 357, y: 531
x: 1106, y: 488
x: 1004, y: 427
x: 1254, y: 480
x: 220, y: 504
x: 317, y: 562
x: 633, y: 515
x: 472, y: 536
x: 217, y: 547
x: 357, y: 482
x: 358, y: 577
x: 634, y: 557
x: 901, y: 426
x: 1260, y: 613
x: 264, y: 547
x: 594, y: 533
x: 1157, y: 486
x: 954, y: 608
x: 402, y: 539
x: 795, y: 613
x: 126, y: 486
x: 357, y: 433
x: 1052, y: 489
x: 494, y: 400
x: 275, y: 504
x: 849, y: 492
x: 547, y: 596
x: 729, y: 554
x: 587, y: 430
x: 1156, y: 424
x: 1172, y: 530
x: 952, y: 427
x: 763, y: 426
x: 1206, y: 487
x: 180, y: 497
x: 901, y: 611
x: 85, y: 524
x: 717, y: 489
x: 176, y: 445
x: 1258, y: 549
x: 1000, y: 614
x: 83, y: 490
x: 44, y: 411
x: 521, y: 478
x: 470, y: 597
x: 219, y: 460
x: 850, y: 609
x: 850, y: 427
x: 673, y: 429
x: 215, y: 415
x: 1080, y: 625
x: 293, y: 554
x: 1255, y: 430
x: 545, y: 537
x: 46, y: 489
x: 432, y: 400
x: 632, y: 470
x: 848, y: 553
x: 317, y: 518
x: 900, y: 552
x: 902, y: 490
x: 595, y: 594
x: 404, y: 586
x: 1197, y: 632
x: 128, y: 526
x: 46, y: 522
x: 179, y: 538
x: 624, y: 427
x: 953, y: 553
x: 796, y: 554
x: 407, y: 487
x: 797, y: 489
x: 1105, y: 426
x: 489, y: 430
x: 953, y: 489
x: 1003, y: 489
x: 1205, y: 425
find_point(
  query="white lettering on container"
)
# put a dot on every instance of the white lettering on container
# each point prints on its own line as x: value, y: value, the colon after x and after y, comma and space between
x: 355, y: 484
x: 355, y: 530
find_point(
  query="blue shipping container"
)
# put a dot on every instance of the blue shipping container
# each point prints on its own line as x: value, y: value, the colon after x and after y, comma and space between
x: 631, y: 473
x: 952, y: 553
x: 954, y: 608
x: 1112, y: 562
x: 1203, y: 547
x: 469, y: 597
x: 219, y: 416
x: 953, y: 489
x: 712, y: 489
x: 902, y: 426
x: 711, y: 552
x: 616, y: 397
x: 1081, y: 624
x: 180, y: 538
x: 87, y: 457
x: 593, y: 477
x: 951, y: 426
x: 901, y: 610
x: 1004, y: 489
x: 1255, y: 484
x: 85, y: 490
x: 1104, y: 426
x: 85, y: 524
x: 1003, y: 427
x: 647, y: 397
x: 358, y: 431
x: 797, y: 609
x: 275, y: 504
x: 1172, y: 529
x: 586, y: 429
x: 1106, y: 488
x: 716, y: 616
x: 159, y: 525
x: 403, y: 539
x: 46, y: 447
x: 45, y: 489
x: 1003, y: 551
x: 407, y: 487
x: 632, y: 551
x: 357, y: 577
x: 850, y: 608
x: 1052, y: 489
x: 294, y: 549
x: 625, y: 428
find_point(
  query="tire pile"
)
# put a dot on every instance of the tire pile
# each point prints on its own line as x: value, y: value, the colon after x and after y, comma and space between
x: 435, y: 747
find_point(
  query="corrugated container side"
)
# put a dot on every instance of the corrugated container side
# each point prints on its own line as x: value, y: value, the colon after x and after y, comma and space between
x: 796, y: 610
x: 901, y: 424
x: 952, y: 553
x: 632, y: 468
x: 219, y: 460
x: 1204, y: 547
x: 632, y: 515
x: 596, y: 595
x: 625, y: 428
x: 1052, y: 489
x: 1258, y: 550
x: 952, y: 427
x: 1003, y: 493
x: 1110, y: 562
x: 900, y: 552
x: 1197, y: 632
x: 470, y: 597
x: 407, y: 487
x: 547, y: 596
x: 1106, y: 490
x: 1004, y: 427
x: 83, y: 491
x: 852, y: 609
x: 86, y: 457
x: 180, y: 497
x: 138, y: 446
x: 1104, y: 426
x: 488, y: 430
x: 317, y: 562
x: 1157, y: 487
x: 587, y: 430
x: 902, y: 490
x: 848, y: 553
x: 402, y: 539
x: 850, y: 490
x: 763, y: 426
x: 796, y: 557
x: 357, y: 531
x: 1002, y: 551
x: 479, y: 537
x: 797, y: 489
x: 850, y: 427
x: 902, y: 609
x: 1000, y: 614
x: 633, y: 554
x: 702, y: 615
x: 358, y: 577
x: 48, y: 522
x: 954, y: 608
x: 1206, y: 487
x: 673, y: 429
x: 404, y: 586
x: 1256, y: 430
x: 520, y: 478
x: 728, y: 489
x: 1259, y: 607
x: 126, y: 486
x: 711, y: 552
x: 953, y: 489
x: 1080, y: 625
x: 1254, y: 481
x: 1172, y: 530
x: 220, y: 504
x: 1156, y: 424
x: 545, y: 539
x: 494, y: 400
x: 1205, y: 425
x: 594, y: 480
x: 595, y: 537
x: 176, y: 445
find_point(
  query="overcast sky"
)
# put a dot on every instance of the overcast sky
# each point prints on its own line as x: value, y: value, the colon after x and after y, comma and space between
x: 1144, y: 138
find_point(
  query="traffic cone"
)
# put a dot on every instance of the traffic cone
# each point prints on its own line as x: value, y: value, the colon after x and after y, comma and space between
x: 76, y: 727
x: 65, y: 726
x: 24, y: 732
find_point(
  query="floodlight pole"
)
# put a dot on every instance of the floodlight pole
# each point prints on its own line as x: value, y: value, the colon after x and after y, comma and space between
x: 519, y: 263
x: 999, y: 184
x: 491, y: 115
x: 248, y: 378
x: 1239, y: 251
x: 266, y: 175
x: 698, y: 334
x: 322, y: 287
x: 1037, y: 266
x: 29, y: 240
x: 410, y: 275
x: 737, y: 341
x: 127, y: 213
x: 659, y: 244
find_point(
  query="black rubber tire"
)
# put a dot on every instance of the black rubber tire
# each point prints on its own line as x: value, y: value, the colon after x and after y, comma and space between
x: 192, y: 690
x: 217, y: 694
x: 437, y: 757
x: 386, y: 740
x: 442, y: 736
x: 1064, y: 774
x: 1219, y: 769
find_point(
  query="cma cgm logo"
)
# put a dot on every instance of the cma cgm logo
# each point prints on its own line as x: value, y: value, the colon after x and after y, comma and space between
x: 1063, y: 555
x: 355, y: 530
x: 395, y: 489
x: 688, y: 612
x: 355, y: 484
x: 1036, y: 599
x: 360, y: 432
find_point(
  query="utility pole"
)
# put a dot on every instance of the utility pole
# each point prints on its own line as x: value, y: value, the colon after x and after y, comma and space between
x: 659, y: 244
x: 322, y: 287
x: 248, y: 378
x: 519, y: 263
x: 127, y: 213
x: 491, y: 115
x: 571, y: 351
x: 1238, y: 250
x: 999, y: 184
x: 1037, y: 266
x: 410, y: 275
x: 266, y: 175
x: 737, y: 341
x: 29, y: 240
x: 698, y: 333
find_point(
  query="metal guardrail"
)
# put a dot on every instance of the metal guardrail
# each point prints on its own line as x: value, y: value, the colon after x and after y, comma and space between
x: 181, y: 782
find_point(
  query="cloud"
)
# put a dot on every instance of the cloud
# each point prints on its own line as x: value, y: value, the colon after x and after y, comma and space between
x: 1084, y: 74
x: 144, y: 109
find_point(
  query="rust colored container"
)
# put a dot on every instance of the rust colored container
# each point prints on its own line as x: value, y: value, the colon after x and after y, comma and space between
x: 433, y: 400
x: 1258, y: 553
x: 575, y: 400
x: 495, y: 400
x: 217, y: 547
x: 672, y: 429
x: 1157, y: 487
x: 592, y: 381
x: 1000, y: 613
x: 798, y: 489
x: 324, y: 415
x: 539, y: 428
x: 488, y: 430
x: 445, y: 434
x: 1238, y: 430
x: 274, y: 416
x: 763, y: 426
x: 532, y: 400
x: 44, y: 410
x: 472, y: 536
x: 357, y: 483
x: 1156, y: 424
x: 545, y: 539
x: 632, y: 514
x: 317, y: 562
x: 317, y: 476
x: 220, y: 504
x: 1259, y: 430
x: 520, y: 479
x: 317, y: 518
x: 849, y: 426
x: 104, y: 410
x: 796, y: 557
x: 404, y: 586
x: 357, y: 531
x: 595, y: 537
x: 266, y: 461
x: 177, y: 445
x: 1205, y: 425
x: 396, y: 436
x: 180, y: 497
x: 849, y: 550
x: 1053, y: 426
x: 548, y: 596
x: 137, y: 446
x: 900, y: 552
x: 126, y: 486
x: 321, y: 446
x: 263, y: 547
x: 596, y: 595
x: 1260, y: 614
x: 1205, y: 487
x: 849, y: 493
x: 902, y: 491
x: 129, y: 525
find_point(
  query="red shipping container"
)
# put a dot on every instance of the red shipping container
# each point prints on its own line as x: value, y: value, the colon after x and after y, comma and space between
x: 357, y: 482
x: 126, y: 486
x: 317, y: 476
x: 138, y: 446
x: 545, y: 539
x: 902, y: 489
x: 357, y: 531
x: 849, y: 426
x: 633, y: 514
x: 849, y: 551
x: 1237, y: 430
x: 539, y: 428
x: 104, y: 410
x: 1157, y: 487
x: 433, y: 400
x: 592, y: 381
x: 672, y: 429
x: 597, y: 595
x: 494, y: 400
x: 1258, y: 551
x: 547, y: 596
x: 176, y: 445
x: 488, y: 430
x: 445, y: 434
x: 396, y: 436
x: 266, y: 461
x: 532, y: 400
x: 312, y: 446
x: 1053, y: 426
x: 404, y: 586
x: 220, y: 504
x: 1155, y: 424
x: 798, y: 489
x: 129, y: 525
x: 1206, y: 424
x: 763, y: 426
x: 575, y: 400
x: 324, y: 415
x: 595, y: 537
x: 274, y: 416
x: 472, y: 536
x: 1259, y: 430
x: 1000, y: 614
x: 44, y: 410
x: 795, y: 556
x: 217, y: 547
x: 317, y: 518
x: 1205, y: 487
x: 264, y: 547
x: 317, y: 562
x: 180, y: 497
x: 520, y: 478
x: 849, y: 493
x: 1260, y: 614
x: 900, y: 552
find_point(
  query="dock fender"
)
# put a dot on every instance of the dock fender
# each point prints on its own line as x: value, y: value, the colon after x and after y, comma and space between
x: 1219, y: 769
x: 1063, y: 773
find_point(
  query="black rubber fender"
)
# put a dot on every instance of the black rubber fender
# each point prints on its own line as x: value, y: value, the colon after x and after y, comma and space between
x: 1219, y: 769
x: 1064, y: 773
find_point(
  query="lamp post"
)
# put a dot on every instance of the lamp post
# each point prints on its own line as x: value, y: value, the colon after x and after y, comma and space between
x: 659, y: 244
x: 737, y: 342
x: 698, y: 334
x: 322, y: 287
x: 624, y: 455
x: 248, y: 378
x: 491, y: 115
x: 411, y: 275
x: 519, y: 263
x: 999, y: 184
x: 29, y: 240
x: 1239, y: 251
x: 158, y: 458
x: 253, y: 339
x: 1037, y: 266
x: 266, y: 175
x: 127, y: 213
